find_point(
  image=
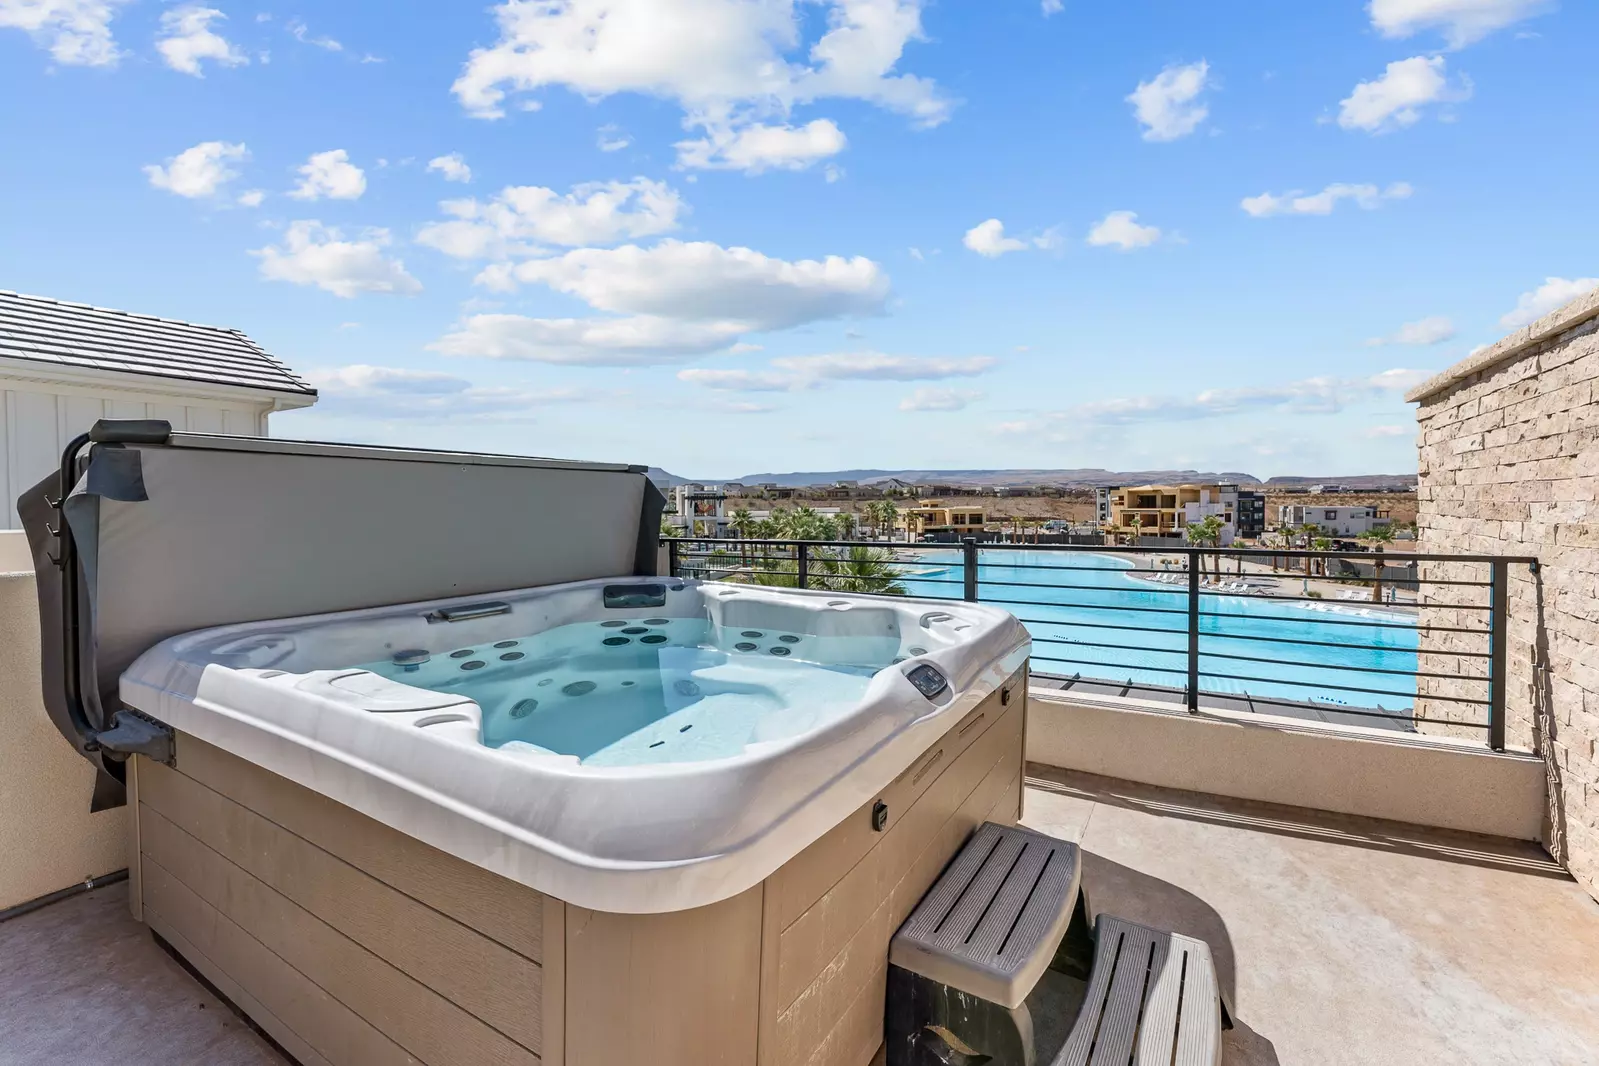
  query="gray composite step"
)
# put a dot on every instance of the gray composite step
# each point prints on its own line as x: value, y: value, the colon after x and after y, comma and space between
x: 1152, y: 1001
x: 991, y: 923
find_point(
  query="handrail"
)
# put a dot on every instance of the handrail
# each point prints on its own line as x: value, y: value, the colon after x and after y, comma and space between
x: 1194, y: 639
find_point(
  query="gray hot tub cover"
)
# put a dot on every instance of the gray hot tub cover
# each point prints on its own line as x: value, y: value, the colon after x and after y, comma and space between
x: 202, y: 530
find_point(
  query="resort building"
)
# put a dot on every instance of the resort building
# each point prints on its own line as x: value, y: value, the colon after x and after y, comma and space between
x: 1166, y: 510
x: 1342, y: 521
x: 935, y: 518
x: 701, y: 509
x: 65, y: 365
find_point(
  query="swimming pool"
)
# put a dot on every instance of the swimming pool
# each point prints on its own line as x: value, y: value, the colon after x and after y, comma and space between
x: 1107, y: 597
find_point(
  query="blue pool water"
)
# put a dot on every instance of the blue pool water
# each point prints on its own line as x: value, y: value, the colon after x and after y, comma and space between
x: 1113, y: 598
x: 634, y: 691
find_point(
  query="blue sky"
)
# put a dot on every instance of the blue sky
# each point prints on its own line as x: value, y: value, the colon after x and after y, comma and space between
x: 727, y: 236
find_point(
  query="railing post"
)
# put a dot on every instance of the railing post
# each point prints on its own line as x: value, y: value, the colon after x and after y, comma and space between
x: 671, y: 556
x: 969, y: 554
x: 1193, y: 630
x: 802, y: 557
x: 1498, y: 650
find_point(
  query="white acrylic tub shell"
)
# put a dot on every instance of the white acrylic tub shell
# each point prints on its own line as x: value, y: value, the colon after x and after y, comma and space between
x: 636, y: 839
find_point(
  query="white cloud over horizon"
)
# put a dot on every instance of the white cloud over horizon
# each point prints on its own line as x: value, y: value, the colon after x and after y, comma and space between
x: 1367, y: 197
x: 200, y: 171
x: 797, y: 373
x: 1552, y: 295
x: 330, y: 174
x: 1317, y: 395
x: 1168, y: 105
x: 313, y: 254
x: 76, y: 33
x: 186, y: 38
x: 1397, y: 98
x: 365, y: 391
x: 1462, y: 22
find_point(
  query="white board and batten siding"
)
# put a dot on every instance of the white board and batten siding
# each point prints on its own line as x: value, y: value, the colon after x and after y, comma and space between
x: 37, y: 421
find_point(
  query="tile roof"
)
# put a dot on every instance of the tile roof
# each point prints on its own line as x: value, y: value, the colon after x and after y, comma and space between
x: 92, y: 338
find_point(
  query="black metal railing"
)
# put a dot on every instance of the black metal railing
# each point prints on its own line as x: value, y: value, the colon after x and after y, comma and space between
x: 1413, y: 640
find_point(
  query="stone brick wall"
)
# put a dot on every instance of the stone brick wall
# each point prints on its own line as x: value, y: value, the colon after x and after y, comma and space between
x: 1509, y: 445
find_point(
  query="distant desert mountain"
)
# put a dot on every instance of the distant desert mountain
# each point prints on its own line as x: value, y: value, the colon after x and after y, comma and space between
x: 1396, y: 482
x: 1081, y: 478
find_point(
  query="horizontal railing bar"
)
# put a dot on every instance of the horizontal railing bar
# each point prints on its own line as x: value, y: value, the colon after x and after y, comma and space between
x: 1338, y: 688
x: 1337, y: 603
x: 1333, y: 644
x: 1109, y: 666
x: 1230, y: 553
x: 1088, y: 606
x: 1349, y: 622
x: 1339, y: 709
x: 986, y: 582
x: 1097, y: 644
x: 1324, y: 666
x: 1102, y: 625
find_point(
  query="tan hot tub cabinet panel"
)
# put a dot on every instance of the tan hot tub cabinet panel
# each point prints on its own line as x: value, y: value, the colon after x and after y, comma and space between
x: 353, y: 944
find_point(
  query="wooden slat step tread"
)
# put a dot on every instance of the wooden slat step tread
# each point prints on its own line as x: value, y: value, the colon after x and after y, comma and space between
x: 1152, y: 1000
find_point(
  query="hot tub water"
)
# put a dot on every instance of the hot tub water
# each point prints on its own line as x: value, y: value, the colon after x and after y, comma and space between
x: 628, y: 692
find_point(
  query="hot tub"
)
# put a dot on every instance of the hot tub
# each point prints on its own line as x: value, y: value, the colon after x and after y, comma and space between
x: 598, y: 821
x: 632, y: 746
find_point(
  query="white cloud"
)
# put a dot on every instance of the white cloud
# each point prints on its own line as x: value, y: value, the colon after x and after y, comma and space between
x: 1318, y: 395
x: 1381, y: 432
x: 988, y: 239
x: 330, y: 174
x: 1367, y: 196
x: 187, y: 38
x: 76, y: 32
x: 452, y: 166
x: 302, y: 33
x: 932, y: 399
x: 1168, y: 106
x: 740, y: 380
x: 636, y: 340
x: 1121, y: 229
x: 1434, y: 329
x: 672, y: 300
x: 521, y: 218
x: 198, y: 172
x: 1053, y: 7
x: 1397, y: 98
x: 732, y: 65
x: 755, y: 148
x: 314, y: 254
x: 876, y: 366
x: 704, y: 282
x: 392, y: 392
x: 251, y: 197
x: 1553, y: 294
x: 610, y: 138
x: 1462, y: 21
x: 795, y: 373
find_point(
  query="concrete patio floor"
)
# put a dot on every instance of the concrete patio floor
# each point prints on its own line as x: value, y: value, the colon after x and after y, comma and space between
x: 1342, y: 940
x: 1338, y: 940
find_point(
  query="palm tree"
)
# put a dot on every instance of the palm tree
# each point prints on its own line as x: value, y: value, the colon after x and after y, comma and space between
x: 741, y: 525
x: 1206, y: 531
x: 858, y: 568
x: 1322, y: 544
x: 1136, y: 524
x: 846, y: 525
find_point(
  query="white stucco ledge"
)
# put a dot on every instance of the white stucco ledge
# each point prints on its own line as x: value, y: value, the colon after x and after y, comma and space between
x: 1553, y: 324
x: 1374, y: 773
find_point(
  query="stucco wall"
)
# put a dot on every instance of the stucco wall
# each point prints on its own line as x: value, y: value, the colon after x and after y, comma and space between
x: 1509, y: 465
x: 48, y: 838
